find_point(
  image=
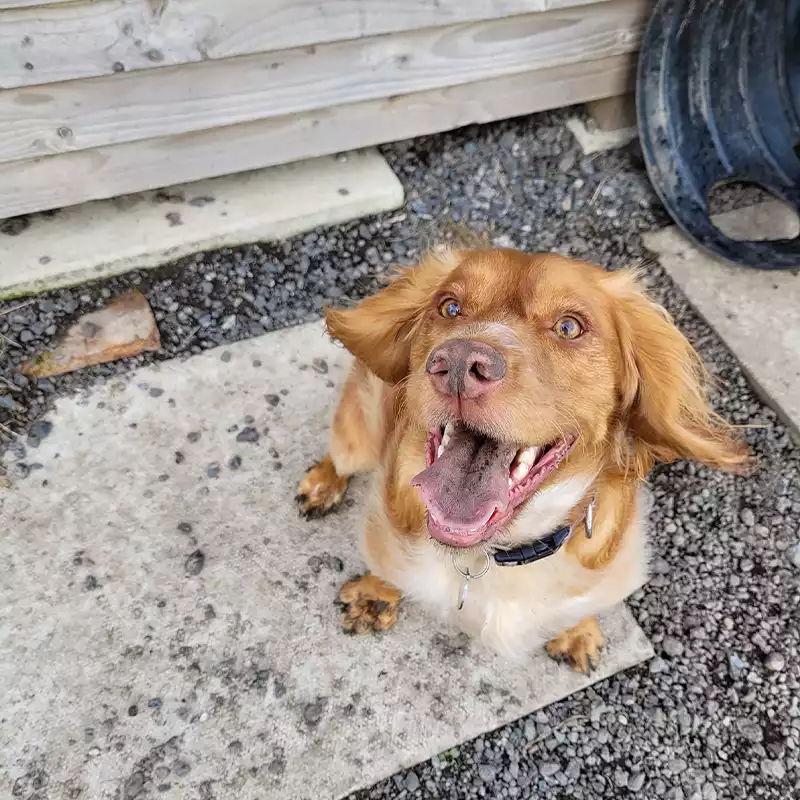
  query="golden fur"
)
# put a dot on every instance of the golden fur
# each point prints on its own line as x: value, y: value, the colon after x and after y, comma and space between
x: 631, y: 387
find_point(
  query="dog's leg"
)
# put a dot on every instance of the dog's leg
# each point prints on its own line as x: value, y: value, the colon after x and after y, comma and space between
x: 370, y: 604
x: 580, y: 645
x: 354, y: 445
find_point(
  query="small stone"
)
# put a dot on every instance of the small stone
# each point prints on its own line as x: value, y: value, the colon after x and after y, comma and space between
x: 226, y: 356
x: 747, y: 517
x: 636, y: 781
x: 412, y: 782
x: 315, y: 564
x: 736, y: 667
x: 319, y: 365
x: 194, y: 436
x: 156, y: 392
x: 773, y: 769
x: 91, y: 583
x: 39, y: 430
x: 529, y: 731
x: 195, y: 562
x: 133, y: 711
x: 567, y: 162
x: 235, y: 748
x: 709, y: 792
x: 673, y: 647
x: 154, y: 702
x: 751, y: 731
x: 272, y: 399
x: 549, y: 768
x: 658, y: 666
x: 677, y: 766
x: 660, y: 566
x: 794, y: 555
x: 179, y: 457
x: 487, y: 772
x: 313, y: 712
x: 235, y: 462
x: 181, y: 769
x: 775, y: 662
x: 250, y: 435
x: 213, y: 470
x: 621, y: 778
x: 185, y: 527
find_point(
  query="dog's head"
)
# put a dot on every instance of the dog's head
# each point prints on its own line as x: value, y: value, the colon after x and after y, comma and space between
x: 529, y: 369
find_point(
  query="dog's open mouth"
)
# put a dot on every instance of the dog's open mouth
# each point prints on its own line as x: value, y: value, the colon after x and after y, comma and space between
x: 474, y: 484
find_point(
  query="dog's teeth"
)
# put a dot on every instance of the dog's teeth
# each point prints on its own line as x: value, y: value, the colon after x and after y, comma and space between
x: 528, y: 456
x: 440, y: 451
x: 520, y: 471
x: 448, y: 429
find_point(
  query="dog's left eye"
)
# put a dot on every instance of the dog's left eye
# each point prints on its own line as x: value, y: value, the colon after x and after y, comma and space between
x: 450, y: 308
x: 568, y: 328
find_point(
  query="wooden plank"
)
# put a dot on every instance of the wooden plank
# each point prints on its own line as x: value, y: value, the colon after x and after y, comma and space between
x: 28, y: 3
x: 78, y: 115
x: 46, y: 44
x: 76, y: 177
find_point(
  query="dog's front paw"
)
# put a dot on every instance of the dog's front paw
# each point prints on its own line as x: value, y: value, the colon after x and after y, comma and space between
x: 321, y: 491
x: 579, y: 646
x: 370, y: 605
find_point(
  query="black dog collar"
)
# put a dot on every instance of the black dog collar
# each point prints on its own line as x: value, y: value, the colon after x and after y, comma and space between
x: 535, y: 551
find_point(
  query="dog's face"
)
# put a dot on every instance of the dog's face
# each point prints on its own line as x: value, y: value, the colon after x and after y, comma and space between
x: 526, y: 370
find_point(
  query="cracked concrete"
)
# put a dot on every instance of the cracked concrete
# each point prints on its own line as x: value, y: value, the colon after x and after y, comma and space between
x: 167, y: 621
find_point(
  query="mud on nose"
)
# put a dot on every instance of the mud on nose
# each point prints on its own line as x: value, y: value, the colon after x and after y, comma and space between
x: 465, y: 368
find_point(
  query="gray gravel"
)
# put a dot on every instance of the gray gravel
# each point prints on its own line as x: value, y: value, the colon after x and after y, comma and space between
x: 717, y: 713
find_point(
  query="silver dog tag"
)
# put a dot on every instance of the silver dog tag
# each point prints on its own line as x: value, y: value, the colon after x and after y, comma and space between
x: 462, y: 592
x: 466, y: 577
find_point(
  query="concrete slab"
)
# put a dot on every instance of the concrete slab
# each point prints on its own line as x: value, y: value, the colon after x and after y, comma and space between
x: 168, y: 627
x: 756, y: 313
x: 593, y: 140
x: 145, y: 230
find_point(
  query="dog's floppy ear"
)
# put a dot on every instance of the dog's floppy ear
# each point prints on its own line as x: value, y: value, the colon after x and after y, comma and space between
x: 664, y: 405
x: 379, y: 330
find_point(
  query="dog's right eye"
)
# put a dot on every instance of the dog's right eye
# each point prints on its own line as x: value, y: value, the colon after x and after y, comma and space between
x: 450, y: 308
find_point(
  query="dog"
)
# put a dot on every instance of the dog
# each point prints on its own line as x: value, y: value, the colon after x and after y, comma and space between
x: 510, y: 407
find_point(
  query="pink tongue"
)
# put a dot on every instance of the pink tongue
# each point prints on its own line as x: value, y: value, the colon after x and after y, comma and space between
x: 470, y: 480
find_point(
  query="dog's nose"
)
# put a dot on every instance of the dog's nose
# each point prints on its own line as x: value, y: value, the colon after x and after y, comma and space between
x: 465, y: 368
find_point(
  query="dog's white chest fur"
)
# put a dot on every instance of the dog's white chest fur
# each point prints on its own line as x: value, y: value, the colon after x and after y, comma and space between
x: 515, y: 609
